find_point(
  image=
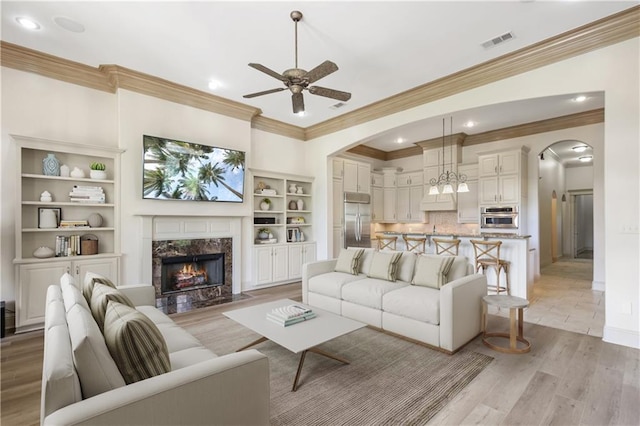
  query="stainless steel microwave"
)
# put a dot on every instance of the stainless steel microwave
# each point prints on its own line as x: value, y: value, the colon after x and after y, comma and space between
x: 499, y: 217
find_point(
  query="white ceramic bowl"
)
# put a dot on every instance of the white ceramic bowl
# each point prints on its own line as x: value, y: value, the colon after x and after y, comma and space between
x: 43, y: 252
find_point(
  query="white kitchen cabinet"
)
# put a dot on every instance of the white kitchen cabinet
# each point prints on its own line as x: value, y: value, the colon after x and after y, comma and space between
x: 408, y: 204
x: 503, y: 177
x: 377, y: 179
x: 436, y: 160
x: 270, y: 264
x: 377, y: 204
x: 414, y: 178
x: 389, y: 207
x: 36, y: 277
x: 299, y: 254
x: 338, y: 215
x: 357, y: 177
x: 468, y: 203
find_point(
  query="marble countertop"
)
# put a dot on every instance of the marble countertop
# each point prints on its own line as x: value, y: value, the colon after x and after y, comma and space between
x: 488, y: 235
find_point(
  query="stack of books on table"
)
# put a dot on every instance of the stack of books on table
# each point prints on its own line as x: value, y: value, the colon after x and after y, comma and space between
x: 290, y: 314
x: 87, y: 194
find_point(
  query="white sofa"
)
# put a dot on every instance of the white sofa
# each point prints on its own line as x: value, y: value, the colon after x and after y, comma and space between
x: 200, y: 388
x: 445, y: 318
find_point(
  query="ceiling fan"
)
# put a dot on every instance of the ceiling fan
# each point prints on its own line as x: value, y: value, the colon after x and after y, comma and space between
x: 296, y: 79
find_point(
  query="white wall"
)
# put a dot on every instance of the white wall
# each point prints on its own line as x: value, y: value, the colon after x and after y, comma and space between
x: 614, y: 70
x: 550, y: 179
x: 579, y: 178
x: 584, y: 218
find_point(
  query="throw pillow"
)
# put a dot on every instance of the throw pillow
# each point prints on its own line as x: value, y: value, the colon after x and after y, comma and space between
x: 90, y: 279
x: 384, y: 265
x: 431, y: 270
x: 100, y: 296
x: 135, y: 343
x: 348, y: 261
x: 97, y: 371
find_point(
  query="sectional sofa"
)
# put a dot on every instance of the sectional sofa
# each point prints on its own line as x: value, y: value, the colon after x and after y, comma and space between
x: 87, y: 379
x: 436, y: 300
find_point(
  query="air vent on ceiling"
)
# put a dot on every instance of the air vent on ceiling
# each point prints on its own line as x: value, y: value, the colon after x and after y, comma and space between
x: 497, y: 40
x: 338, y: 105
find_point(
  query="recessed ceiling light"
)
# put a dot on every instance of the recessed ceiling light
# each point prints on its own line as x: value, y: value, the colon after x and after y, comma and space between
x: 214, y: 84
x: 300, y: 114
x: 69, y: 24
x: 469, y: 124
x: 399, y: 140
x: 579, y: 148
x: 28, y: 23
x: 580, y: 98
x: 586, y: 158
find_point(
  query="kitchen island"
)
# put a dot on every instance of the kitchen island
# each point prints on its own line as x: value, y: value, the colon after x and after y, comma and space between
x: 514, y: 248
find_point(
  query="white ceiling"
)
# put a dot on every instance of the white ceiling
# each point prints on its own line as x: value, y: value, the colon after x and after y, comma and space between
x: 381, y: 48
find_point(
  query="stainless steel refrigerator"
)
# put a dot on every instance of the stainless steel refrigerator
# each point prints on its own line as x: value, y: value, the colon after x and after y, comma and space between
x: 357, y: 220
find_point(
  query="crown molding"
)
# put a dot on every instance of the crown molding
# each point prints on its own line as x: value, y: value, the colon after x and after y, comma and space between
x: 542, y: 126
x: 109, y: 78
x: 595, y: 35
x: 370, y: 152
x: 270, y: 125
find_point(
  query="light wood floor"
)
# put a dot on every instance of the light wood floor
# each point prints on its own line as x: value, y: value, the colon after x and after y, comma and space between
x: 567, y: 378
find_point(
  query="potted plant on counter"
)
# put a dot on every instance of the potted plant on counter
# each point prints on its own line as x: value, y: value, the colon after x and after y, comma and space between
x: 263, y: 233
x: 98, y: 170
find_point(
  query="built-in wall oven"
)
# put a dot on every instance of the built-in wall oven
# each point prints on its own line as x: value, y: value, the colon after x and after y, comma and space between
x: 499, y: 217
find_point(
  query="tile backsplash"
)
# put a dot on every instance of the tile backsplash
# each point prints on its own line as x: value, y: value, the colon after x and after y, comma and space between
x: 444, y: 222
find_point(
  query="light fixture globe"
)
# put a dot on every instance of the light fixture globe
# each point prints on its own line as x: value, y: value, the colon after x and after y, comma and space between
x: 448, y: 178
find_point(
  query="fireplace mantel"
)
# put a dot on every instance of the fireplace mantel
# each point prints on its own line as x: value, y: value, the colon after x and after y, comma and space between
x: 160, y: 228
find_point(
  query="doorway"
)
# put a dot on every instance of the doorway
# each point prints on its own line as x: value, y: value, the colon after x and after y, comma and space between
x: 582, y: 225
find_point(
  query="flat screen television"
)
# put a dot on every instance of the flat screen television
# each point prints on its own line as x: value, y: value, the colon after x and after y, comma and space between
x: 176, y: 170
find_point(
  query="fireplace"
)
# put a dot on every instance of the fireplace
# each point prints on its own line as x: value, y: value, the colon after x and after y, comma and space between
x: 181, y: 273
x: 192, y: 273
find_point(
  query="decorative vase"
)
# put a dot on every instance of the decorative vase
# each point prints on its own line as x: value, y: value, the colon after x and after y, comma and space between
x: 46, y: 197
x: 264, y: 206
x: 300, y: 190
x: 292, y: 188
x: 95, y: 220
x: 43, y: 252
x: 263, y: 235
x: 300, y: 204
x: 51, y: 165
x: 293, y: 205
x: 301, y: 236
x: 98, y: 174
x: 64, y: 170
x: 77, y: 173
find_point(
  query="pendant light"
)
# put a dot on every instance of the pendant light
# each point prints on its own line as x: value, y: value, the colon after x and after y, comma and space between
x: 448, y: 178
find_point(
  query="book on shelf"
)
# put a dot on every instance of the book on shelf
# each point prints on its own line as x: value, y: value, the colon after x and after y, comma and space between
x: 286, y: 322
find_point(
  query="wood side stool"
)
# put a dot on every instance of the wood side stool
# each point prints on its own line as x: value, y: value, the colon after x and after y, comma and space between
x: 512, y: 303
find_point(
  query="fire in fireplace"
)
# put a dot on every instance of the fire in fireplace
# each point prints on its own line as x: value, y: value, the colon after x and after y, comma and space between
x: 180, y: 273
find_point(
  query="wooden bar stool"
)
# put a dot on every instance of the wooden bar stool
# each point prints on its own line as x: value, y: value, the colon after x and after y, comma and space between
x: 415, y: 244
x: 487, y: 255
x: 385, y: 241
x: 447, y: 247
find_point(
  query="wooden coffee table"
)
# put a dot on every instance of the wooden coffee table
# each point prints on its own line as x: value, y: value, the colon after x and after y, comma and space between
x: 302, y: 337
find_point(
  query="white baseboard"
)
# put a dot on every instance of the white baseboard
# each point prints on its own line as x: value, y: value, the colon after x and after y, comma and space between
x: 622, y: 337
x: 597, y: 285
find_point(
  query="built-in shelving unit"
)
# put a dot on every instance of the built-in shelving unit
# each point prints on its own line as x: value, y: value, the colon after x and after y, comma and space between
x: 33, y: 274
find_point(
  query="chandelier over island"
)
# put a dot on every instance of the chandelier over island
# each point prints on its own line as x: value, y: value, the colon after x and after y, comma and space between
x: 448, y: 178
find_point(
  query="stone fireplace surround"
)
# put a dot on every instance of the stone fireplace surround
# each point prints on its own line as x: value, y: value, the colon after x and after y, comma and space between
x: 164, y: 228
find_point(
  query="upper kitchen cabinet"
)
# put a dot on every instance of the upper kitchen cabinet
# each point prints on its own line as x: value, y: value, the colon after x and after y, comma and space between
x: 468, y: 210
x: 357, y: 177
x: 410, y: 190
x: 502, y: 177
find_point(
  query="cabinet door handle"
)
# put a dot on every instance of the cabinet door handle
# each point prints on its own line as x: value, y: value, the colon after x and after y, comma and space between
x: 495, y: 169
x: 495, y: 198
x: 77, y: 270
x: 68, y: 270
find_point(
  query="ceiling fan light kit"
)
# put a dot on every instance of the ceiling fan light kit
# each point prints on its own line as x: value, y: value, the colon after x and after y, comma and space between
x: 297, y: 79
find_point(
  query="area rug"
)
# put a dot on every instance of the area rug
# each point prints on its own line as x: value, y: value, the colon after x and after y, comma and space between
x: 390, y: 381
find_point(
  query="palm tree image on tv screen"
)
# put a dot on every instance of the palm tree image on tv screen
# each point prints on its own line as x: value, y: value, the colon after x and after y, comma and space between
x: 175, y: 170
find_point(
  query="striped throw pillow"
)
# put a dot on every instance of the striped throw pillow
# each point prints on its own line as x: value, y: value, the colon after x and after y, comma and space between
x: 90, y: 279
x: 432, y: 270
x: 100, y: 296
x: 348, y: 261
x: 135, y: 343
x: 384, y: 265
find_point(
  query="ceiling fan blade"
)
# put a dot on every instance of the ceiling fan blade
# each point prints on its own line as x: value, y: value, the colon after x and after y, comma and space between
x: 330, y: 93
x: 271, y: 72
x: 266, y: 92
x: 322, y: 70
x: 298, y: 102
